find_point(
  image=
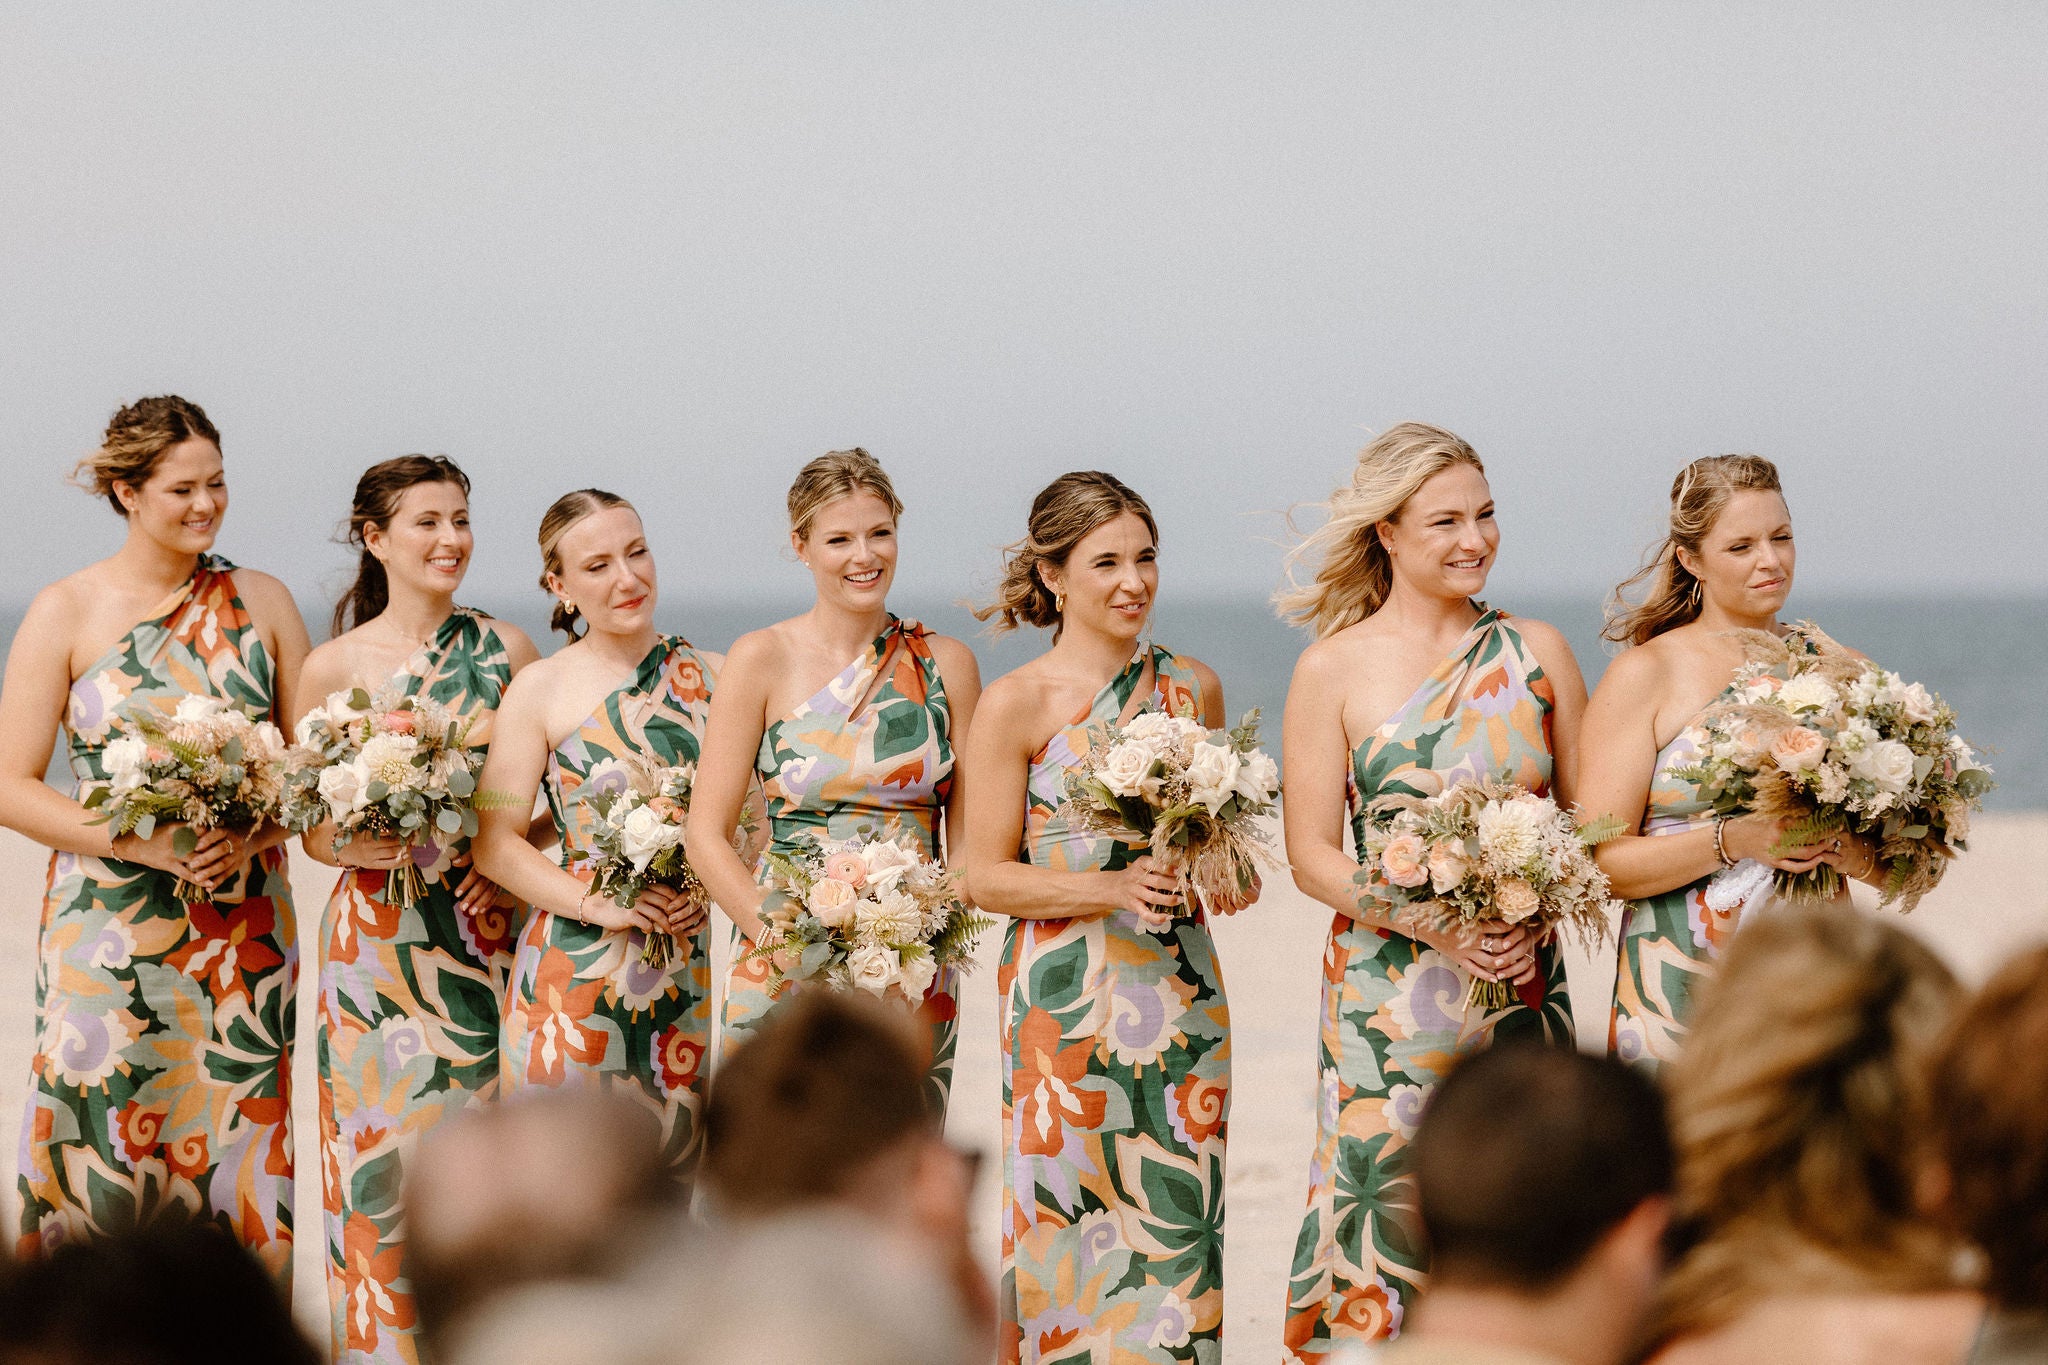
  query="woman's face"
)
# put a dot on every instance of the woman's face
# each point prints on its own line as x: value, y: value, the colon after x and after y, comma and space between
x: 426, y: 542
x: 607, y: 571
x: 1744, y: 563
x: 1110, y: 579
x: 182, y: 502
x: 851, y: 551
x: 1444, y: 539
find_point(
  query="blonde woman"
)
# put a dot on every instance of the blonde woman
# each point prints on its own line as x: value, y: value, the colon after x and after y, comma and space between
x: 1805, y: 1128
x: 1115, y: 1032
x: 1726, y: 565
x: 1412, y: 685
x: 848, y: 716
x: 164, y: 1028
x: 584, y: 1005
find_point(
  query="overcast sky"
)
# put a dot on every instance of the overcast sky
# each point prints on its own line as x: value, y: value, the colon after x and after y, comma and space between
x: 676, y: 250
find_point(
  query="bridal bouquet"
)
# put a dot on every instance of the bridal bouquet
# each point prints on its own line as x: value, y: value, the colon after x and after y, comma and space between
x: 1190, y: 796
x: 205, y: 766
x: 1486, y: 851
x: 636, y: 840
x: 1810, y: 730
x: 867, y: 913
x: 385, y: 766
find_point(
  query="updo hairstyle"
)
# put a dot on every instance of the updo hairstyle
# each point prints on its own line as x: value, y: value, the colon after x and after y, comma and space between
x: 135, y: 440
x: 1698, y: 495
x: 563, y: 513
x: 834, y: 475
x: 1062, y: 515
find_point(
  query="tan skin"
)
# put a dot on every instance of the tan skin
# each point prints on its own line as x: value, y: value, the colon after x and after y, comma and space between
x: 424, y: 547
x: 851, y: 551
x: 174, y: 515
x: 1653, y: 690
x: 1442, y: 544
x: 1109, y: 582
x: 608, y: 573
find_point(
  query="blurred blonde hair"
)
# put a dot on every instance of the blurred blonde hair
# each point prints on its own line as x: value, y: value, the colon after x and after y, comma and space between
x: 1698, y: 495
x: 834, y: 475
x: 1353, y: 573
x: 1802, y: 1108
x: 136, y: 438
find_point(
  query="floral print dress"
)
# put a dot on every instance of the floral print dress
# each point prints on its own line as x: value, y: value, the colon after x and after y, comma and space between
x: 410, y: 1002
x: 163, y: 1031
x: 870, y: 753
x: 582, y: 1006
x: 1394, y: 1012
x: 1116, y: 1088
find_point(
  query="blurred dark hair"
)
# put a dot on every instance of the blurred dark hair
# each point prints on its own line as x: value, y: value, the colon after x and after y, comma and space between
x: 1528, y: 1155
x: 376, y: 501
x: 177, y: 1291
x: 1990, y: 1091
x: 829, y: 1082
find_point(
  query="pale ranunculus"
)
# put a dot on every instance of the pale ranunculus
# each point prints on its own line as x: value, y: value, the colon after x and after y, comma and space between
x: 1511, y: 832
x: 1127, y: 770
x: 1212, y: 776
x: 1808, y: 693
x: 1402, y: 860
x: 873, y: 968
x: 848, y: 868
x: 916, y: 974
x: 1447, y: 866
x: 1514, y: 900
x: 1888, y: 764
x: 832, y: 902
x: 342, y: 787
x: 1798, y: 749
x: 1259, y: 780
x: 886, y: 860
x: 645, y: 834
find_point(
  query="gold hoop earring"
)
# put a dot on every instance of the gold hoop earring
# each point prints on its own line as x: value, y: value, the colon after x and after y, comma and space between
x: 1692, y: 599
x: 1059, y: 603
x: 569, y: 608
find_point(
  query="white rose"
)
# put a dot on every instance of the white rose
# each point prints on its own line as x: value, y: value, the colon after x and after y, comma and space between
x: 342, y: 787
x: 1916, y: 701
x: 192, y: 707
x: 1127, y: 770
x: 644, y: 834
x: 886, y: 860
x: 1151, y: 727
x: 917, y: 974
x: 1510, y: 833
x: 1212, y: 775
x: 1259, y: 780
x: 125, y: 757
x: 1808, y: 693
x: 873, y: 968
x: 1887, y: 763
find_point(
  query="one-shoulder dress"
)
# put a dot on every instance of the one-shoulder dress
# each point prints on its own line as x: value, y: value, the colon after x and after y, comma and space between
x: 163, y: 1030
x: 1116, y: 1091
x: 1394, y: 1010
x: 582, y: 1006
x: 410, y: 1005
x: 870, y: 753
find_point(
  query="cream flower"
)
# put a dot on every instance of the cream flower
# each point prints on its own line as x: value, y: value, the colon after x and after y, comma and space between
x: 1401, y: 860
x: 388, y: 759
x: 886, y: 860
x: 1798, y: 749
x: 1514, y: 900
x: 1888, y: 764
x: 1127, y: 770
x: 1510, y: 832
x: 873, y: 968
x: 1447, y: 866
x: 1915, y: 701
x: 1259, y: 780
x: 916, y: 975
x: 125, y: 760
x: 644, y: 834
x: 1808, y: 693
x: 832, y: 902
x: 344, y: 787
x: 891, y: 918
x: 1212, y: 776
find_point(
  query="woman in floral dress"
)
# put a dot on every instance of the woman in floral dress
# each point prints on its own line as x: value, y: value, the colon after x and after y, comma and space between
x: 410, y: 995
x: 1410, y: 686
x: 162, y: 1063
x: 847, y: 715
x: 1725, y: 566
x: 1115, y: 1032
x: 583, y: 1006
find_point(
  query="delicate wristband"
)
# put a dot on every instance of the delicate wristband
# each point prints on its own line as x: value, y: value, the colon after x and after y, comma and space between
x: 1720, y: 847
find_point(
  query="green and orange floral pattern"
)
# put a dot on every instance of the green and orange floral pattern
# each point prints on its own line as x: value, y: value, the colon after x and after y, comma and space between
x: 1116, y: 1094
x: 1394, y: 1010
x: 583, y: 1007
x: 162, y: 1062
x: 871, y: 751
x: 410, y: 1003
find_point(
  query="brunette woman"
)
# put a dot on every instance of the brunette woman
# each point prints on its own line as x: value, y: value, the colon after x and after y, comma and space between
x: 1412, y: 685
x: 164, y: 1028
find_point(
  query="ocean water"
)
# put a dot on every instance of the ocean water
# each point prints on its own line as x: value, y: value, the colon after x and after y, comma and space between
x: 1986, y: 656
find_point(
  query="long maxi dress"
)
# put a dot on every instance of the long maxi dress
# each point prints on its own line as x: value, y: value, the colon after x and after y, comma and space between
x: 870, y: 753
x: 163, y: 1042
x: 410, y: 1004
x: 1116, y: 1092
x: 582, y: 1007
x: 1394, y: 1011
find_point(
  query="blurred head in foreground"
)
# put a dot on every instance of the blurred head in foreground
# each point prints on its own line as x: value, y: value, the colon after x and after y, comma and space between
x: 178, y: 1291
x: 1544, y: 1177
x: 1805, y: 1126
x: 1991, y: 1089
x: 549, y: 1185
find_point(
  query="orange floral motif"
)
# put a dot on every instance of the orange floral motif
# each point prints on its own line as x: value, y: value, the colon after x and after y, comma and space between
x: 1045, y: 1095
x: 369, y: 1299
x: 1200, y: 1102
x: 139, y: 1130
x: 556, y: 1018
x: 677, y: 1057
x: 187, y: 1156
x: 225, y: 950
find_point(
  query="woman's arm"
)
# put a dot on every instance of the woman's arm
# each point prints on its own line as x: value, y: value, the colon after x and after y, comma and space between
x: 961, y: 675
x: 1568, y: 705
x: 725, y: 769
x: 997, y: 759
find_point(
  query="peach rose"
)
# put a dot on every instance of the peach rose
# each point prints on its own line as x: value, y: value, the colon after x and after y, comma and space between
x: 1514, y: 900
x: 1447, y: 866
x: 848, y: 868
x: 666, y: 808
x: 1798, y: 749
x: 1402, y: 860
x: 831, y: 900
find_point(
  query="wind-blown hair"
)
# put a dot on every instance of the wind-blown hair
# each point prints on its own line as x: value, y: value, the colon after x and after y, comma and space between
x: 1802, y: 1105
x: 1062, y: 515
x: 136, y: 438
x: 1352, y: 571
x: 563, y: 513
x: 1698, y: 495
x: 376, y: 502
x: 834, y: 475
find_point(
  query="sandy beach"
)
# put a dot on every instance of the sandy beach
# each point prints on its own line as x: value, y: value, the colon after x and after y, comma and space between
x: 1994, y: 902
